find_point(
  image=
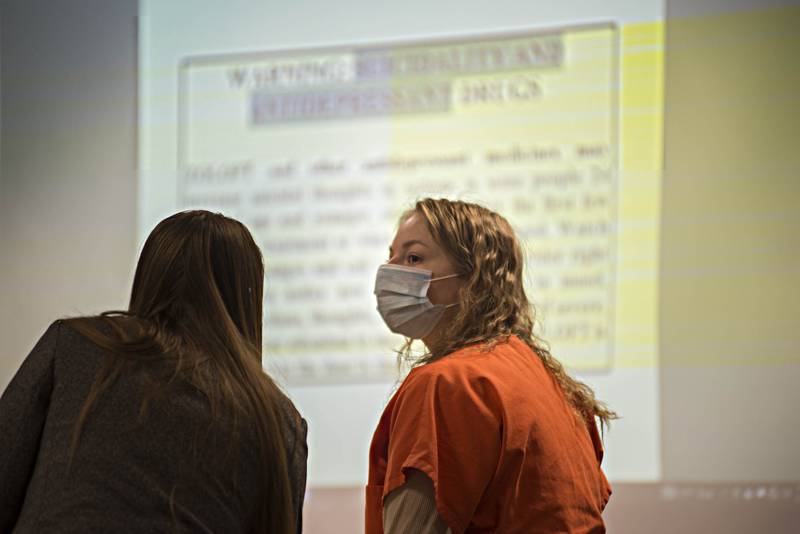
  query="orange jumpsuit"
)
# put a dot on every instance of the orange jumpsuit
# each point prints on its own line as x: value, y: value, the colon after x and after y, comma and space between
x: 496, y: 435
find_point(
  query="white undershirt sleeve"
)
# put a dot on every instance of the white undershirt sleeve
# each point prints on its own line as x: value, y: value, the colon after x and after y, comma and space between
x: 411, y: 508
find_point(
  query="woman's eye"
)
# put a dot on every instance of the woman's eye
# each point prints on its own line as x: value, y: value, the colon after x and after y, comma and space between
x: 413, y: 258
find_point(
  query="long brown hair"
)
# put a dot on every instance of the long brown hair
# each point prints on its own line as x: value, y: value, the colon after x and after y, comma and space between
x: 492, y: 303
x: 196, y: 309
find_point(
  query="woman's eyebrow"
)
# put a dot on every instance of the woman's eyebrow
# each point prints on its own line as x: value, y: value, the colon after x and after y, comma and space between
x: 408, y: 244
x: 414, y: 242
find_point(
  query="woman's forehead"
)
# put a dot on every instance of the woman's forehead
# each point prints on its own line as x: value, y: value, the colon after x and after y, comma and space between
x: 413, y: 229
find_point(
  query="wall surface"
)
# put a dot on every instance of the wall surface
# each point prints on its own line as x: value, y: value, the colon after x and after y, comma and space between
x: 68, y: 178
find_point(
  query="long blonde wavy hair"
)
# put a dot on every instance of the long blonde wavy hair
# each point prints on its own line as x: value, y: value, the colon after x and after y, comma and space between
x: 492, y: 303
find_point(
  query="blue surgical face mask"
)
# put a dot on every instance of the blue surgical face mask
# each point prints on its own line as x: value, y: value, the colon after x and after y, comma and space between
x: 402, y: 294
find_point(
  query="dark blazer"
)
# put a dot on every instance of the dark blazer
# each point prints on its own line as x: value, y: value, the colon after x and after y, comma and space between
x: 164, y: 469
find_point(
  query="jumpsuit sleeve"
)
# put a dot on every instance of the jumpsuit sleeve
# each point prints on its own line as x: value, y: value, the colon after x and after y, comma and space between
x: 448, y: 426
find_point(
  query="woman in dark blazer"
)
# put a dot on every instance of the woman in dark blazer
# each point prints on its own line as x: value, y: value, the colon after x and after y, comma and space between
x: 159, y: 418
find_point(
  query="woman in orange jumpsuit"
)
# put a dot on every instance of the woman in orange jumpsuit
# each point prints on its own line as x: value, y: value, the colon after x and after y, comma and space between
x: 487, y: 433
